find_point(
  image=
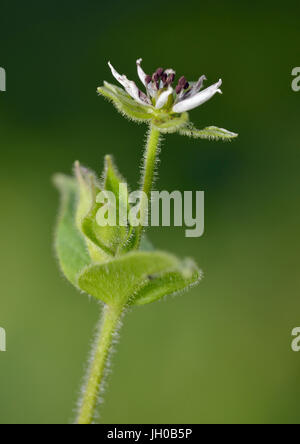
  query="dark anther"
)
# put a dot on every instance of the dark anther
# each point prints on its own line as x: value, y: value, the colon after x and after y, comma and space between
x: 148, y: 79
x: 155, y: 79
x: 164, y: 77
x: 170, y: 79
x: 178, y: 89
x: 182, y: 81
x: 186, y: 86
x: 159, y: 71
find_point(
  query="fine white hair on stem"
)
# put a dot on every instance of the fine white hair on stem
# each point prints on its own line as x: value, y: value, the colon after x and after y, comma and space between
x: 107, y: 369
x: 144, y: 159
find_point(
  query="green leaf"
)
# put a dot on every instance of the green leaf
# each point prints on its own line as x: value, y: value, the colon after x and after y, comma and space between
x: 108, y: 238
x: 116, y: 281
x: 69, y: 243
x: 126, y: 104
x: 87, y: 183
x: 170, y: 123
x: 211, y: 132
x: 170, y: 283
x: 112, y: 181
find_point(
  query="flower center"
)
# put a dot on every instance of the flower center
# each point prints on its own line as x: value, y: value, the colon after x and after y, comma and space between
x: 163, y: 78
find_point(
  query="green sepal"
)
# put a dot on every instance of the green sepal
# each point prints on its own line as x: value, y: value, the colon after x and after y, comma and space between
x: 119, y: 281
x: 70, y: 246
x: 170, y: 123
x: 125, y: 104
x: 210, y: 132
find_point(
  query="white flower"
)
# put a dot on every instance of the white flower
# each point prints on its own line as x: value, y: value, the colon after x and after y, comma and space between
x: 165, y: 102
x: 161, y: 85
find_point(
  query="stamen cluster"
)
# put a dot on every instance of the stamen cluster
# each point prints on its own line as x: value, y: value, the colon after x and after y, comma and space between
x: 164, y: 78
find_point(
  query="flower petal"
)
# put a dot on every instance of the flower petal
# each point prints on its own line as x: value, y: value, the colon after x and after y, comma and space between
x: 195, y: 87
x: 130, y: 87
x: 142, y: 75
x: 163, y: 98
x: 198, y: 99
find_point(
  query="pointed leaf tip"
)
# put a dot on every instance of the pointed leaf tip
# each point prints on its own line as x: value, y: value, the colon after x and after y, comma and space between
x: 172, y: 282
x: 210, y: 132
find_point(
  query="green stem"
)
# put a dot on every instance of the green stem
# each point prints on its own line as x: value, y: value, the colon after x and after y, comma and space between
x: 108, y: 326
x: 151, y: 155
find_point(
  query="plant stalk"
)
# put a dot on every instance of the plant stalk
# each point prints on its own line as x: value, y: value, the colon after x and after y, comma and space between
x: 108, y: 327
x: 151, y: 155
x: 111, y: 315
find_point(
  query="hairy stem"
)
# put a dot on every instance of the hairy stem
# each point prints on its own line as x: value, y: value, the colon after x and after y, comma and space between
x: 103, y: 342
x: 151, y: 154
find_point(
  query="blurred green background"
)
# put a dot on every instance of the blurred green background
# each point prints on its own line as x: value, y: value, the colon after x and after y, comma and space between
x: 221, y: 353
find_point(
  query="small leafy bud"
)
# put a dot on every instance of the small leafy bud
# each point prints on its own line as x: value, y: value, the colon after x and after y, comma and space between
x: 107, y: 238
x: 98, y: 259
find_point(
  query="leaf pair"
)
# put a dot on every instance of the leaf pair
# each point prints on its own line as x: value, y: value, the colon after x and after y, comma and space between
x: 138, y: 278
